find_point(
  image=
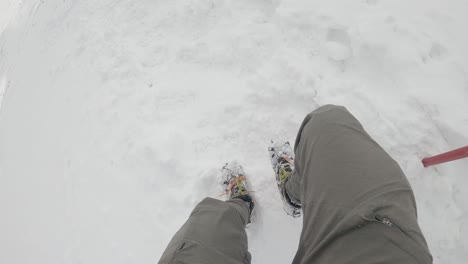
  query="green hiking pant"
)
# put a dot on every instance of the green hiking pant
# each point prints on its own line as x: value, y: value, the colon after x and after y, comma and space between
x: 358, y: 206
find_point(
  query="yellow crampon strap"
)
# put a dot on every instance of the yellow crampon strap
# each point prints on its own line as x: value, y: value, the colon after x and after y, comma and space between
x: 238, y: 182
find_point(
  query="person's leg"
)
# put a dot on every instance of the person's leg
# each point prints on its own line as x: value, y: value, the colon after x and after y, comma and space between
x: 293, y: 186
x: 214, y: 233
x: 358, y: 206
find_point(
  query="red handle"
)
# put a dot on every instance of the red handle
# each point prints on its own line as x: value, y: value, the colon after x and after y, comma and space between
x: 446, y: 157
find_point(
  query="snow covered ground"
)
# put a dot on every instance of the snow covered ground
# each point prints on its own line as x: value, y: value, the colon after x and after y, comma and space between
x: 116, y: 115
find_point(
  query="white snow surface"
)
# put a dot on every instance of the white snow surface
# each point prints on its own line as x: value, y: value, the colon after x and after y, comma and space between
x: 117, y: 115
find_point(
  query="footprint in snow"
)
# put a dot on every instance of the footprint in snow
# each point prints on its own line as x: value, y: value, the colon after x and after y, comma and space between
x: 338, y: 45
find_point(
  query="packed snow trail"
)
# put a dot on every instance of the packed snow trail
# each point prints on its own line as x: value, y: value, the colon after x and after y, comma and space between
x: 117, y: 115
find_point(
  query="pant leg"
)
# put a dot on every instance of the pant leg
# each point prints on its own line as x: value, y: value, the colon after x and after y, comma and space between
x: 358, y: 206
x: 214, y: 233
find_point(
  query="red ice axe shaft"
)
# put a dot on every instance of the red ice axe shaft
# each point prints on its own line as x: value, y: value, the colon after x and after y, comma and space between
x: 446, y: 157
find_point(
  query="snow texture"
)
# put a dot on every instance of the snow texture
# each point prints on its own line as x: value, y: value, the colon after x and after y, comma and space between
x: 117, y: 115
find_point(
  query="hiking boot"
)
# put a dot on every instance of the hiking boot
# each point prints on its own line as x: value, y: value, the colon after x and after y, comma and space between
x: 282, y: 161
x: 235, y: 185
